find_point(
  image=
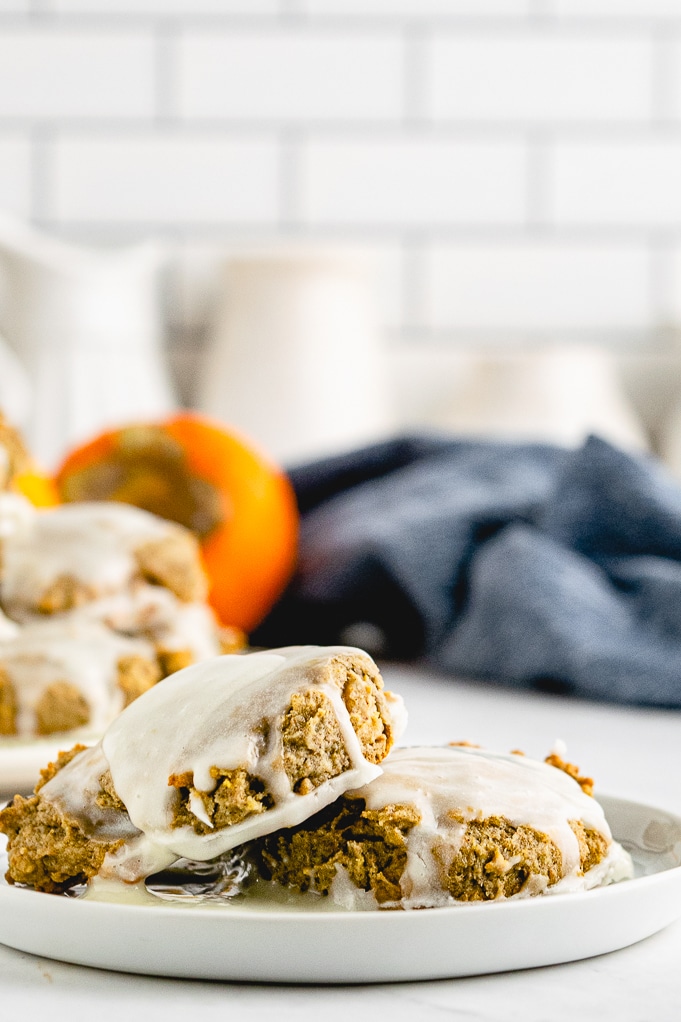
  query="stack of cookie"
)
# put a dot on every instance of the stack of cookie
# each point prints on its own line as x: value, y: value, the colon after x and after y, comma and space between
x: 98, y: 602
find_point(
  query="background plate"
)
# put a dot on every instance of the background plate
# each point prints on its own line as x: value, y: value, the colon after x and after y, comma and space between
x: 21, y: 760
x: 238, y: 941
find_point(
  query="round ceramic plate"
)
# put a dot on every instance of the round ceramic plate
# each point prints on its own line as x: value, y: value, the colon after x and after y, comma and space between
x: 22, y: 759
x: 256, y: 941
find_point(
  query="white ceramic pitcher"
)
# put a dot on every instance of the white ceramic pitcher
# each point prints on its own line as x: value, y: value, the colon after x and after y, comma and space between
x: 294, y: 359
x: 85, y: 324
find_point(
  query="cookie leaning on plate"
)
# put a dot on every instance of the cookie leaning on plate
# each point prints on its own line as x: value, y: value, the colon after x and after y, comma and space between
x: 218, y: 754
x: 447, y: 825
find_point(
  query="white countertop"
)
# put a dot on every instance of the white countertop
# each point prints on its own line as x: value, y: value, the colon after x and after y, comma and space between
x: 631, y: 753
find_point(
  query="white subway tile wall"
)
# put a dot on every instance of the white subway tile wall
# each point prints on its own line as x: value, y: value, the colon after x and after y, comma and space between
x: 161, y: 178
x: 548, y: 75
x: 417, y: 181
x: 618, y: 182
x: 514, y: 164
x: 54, y: 75
x: 532, y: 286
x: 295, y: 75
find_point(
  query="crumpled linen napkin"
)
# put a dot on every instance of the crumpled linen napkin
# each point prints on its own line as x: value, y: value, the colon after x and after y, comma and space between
x: 523, y: 564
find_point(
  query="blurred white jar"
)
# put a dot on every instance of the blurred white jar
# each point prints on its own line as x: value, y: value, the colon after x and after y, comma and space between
x: 85, y: 324
x: 294, y: 359
x: 554, y: 394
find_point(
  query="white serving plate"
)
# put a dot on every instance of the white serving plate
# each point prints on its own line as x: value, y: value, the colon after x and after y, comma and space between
x: 244, y: 940
x: 22, y: 759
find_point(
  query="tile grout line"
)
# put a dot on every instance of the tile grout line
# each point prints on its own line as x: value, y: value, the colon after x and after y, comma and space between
x: 449, y: 336
x: 541, y: 10
x: 415, y: 45
x: 41, y: 173
x: 660, y: 280
x: 375, y: 129
x: 38, y: 9
x: 291, y: 142
x: 165, y: 72
x: 457, y: 233
x: 414, y: 247
x: 664, y: 72
x: 290, y: 13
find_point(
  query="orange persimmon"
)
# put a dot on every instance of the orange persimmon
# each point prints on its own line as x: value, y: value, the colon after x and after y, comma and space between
x: 203, y: 475
x: 37, y: 487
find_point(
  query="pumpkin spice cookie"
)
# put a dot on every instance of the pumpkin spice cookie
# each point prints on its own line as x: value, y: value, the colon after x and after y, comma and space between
x: 218, y: 754
x: 57, y: 676
x: 71, y: 555
x: 448, y: 825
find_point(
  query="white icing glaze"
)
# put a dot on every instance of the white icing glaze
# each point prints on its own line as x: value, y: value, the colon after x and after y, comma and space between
x: 208, y: 715
x: 78, y: 797
x: 477, y: 784
x: 152, y: 612
x: 81, y: 652
x: 92, y: 542
x: 174, y: 625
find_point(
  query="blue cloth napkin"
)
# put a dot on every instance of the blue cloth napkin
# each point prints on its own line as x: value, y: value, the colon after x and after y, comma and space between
x: 524, y: 564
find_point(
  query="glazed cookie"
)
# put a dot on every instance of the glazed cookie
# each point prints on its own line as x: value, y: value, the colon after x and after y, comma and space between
x: 57, y: 676
x: 182, y: 633
x: 220, y: 753
x: 448, y: 825
x: 68, y: 556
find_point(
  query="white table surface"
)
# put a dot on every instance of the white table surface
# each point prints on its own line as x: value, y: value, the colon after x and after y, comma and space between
x: 631, y: 753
